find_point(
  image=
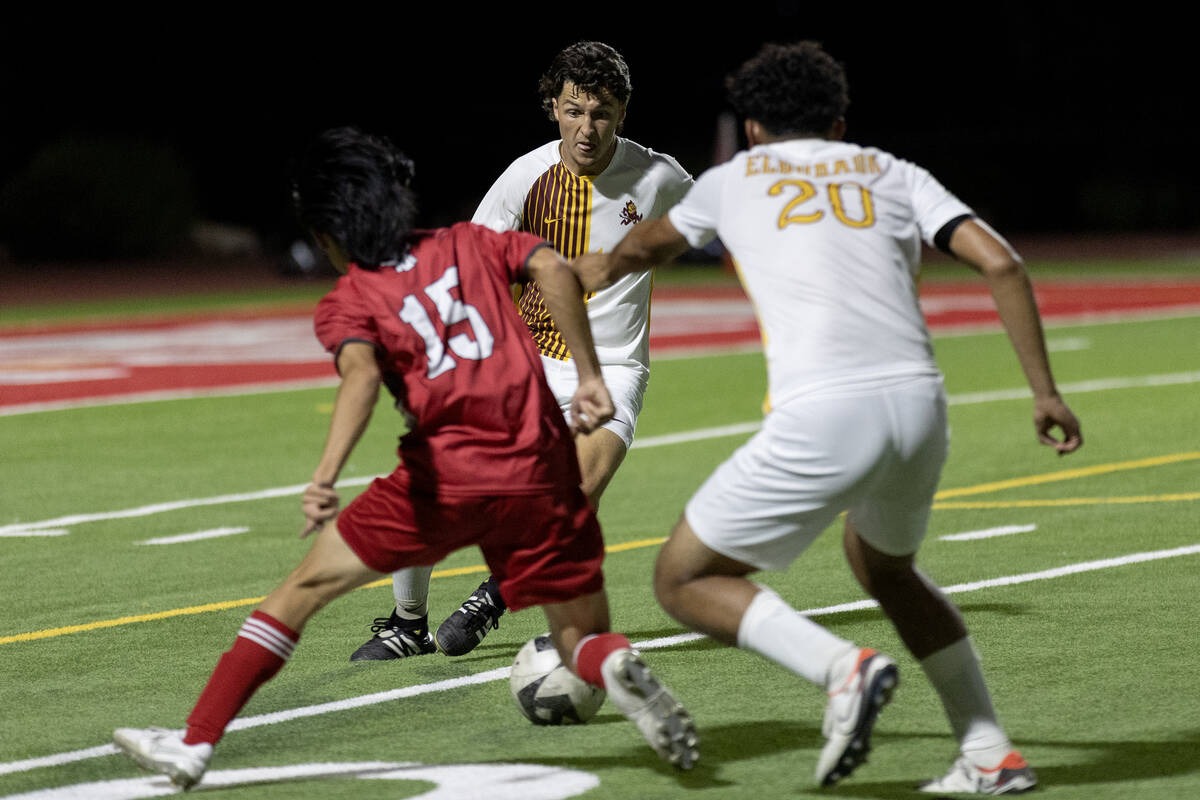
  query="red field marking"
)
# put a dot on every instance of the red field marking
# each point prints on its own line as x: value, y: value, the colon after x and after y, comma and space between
x: 150, y: 322
x: 82, y: 363
x: 1061, y: 299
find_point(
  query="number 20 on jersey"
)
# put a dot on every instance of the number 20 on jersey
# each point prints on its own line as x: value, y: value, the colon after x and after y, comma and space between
x: 850, y: 203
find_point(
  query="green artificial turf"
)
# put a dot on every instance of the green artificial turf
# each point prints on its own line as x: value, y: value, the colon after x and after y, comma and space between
x: 1090, y: 672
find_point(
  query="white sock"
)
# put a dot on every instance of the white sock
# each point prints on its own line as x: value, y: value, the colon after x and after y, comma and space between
x: 955, y: 673
x: 775, y: 630
x: 410, y: 586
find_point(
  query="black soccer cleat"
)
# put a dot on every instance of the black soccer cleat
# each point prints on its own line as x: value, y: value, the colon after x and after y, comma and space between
x: 466, y: 627
x: 396, y: 638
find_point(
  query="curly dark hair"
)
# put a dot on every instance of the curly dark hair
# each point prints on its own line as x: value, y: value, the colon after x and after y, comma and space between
x: 592, y: 66
x: 793, y: 89
x: 354, y: 188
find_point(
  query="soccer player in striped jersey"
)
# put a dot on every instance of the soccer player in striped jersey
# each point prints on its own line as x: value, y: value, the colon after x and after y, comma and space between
x: 582, y: 193
x: 487, y: 460
x: 827, y: 238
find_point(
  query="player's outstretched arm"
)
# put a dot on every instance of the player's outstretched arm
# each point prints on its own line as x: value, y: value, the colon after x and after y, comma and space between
x: 649, y: 244
x: 591, y: 406
x: 974, y: 243
x: 356, y: 397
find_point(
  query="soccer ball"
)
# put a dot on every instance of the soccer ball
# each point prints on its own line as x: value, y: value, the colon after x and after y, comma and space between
x: 548, y: 693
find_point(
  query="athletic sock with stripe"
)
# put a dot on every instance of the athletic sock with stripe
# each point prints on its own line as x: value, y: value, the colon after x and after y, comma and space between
x: 591, y: 652
x: 262, y: 647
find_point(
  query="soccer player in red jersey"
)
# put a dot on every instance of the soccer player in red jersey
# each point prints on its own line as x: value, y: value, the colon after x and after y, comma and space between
x: 487, y: 459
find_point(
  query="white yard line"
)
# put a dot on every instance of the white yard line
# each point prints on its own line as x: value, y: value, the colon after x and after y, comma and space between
x: 737, y: 429
x: 987, y: 533
x: 696, y: 435
x: 1066, y: 344
x: 159, y: 508
x: 1080, y: 387
x: 214, y: 533
x: 58, y: 759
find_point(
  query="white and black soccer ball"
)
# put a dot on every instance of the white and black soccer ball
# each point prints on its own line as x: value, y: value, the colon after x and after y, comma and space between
x: 548, y: 693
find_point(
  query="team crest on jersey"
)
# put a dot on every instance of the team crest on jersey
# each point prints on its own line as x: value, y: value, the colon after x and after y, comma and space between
x: 630, y: 215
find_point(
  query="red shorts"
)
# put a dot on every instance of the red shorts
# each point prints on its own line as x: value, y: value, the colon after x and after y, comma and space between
x: 540, y: 548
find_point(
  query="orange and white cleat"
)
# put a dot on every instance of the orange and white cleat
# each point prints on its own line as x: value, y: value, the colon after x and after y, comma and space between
x: 1010, y: 776
x: 854, y: 704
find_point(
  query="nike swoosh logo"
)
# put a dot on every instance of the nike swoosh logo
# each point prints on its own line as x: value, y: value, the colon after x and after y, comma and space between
x: 549, y: 221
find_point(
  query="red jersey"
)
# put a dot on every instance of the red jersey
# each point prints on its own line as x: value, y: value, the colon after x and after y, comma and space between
x: 457, y: 357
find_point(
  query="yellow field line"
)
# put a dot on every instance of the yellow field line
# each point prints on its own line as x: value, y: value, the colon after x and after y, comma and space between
x: 982, y: 488
x: 1068, y: 501
x: 50, y: 633
x: 1067, y: 475
x: 112, y: 623
x: 617, y: 548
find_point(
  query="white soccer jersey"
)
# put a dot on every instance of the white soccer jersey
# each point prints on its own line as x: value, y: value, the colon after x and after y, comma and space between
x: 827, y: 239
x: 537, y: 193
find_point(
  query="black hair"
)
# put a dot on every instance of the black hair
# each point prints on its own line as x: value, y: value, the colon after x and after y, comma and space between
x: 793, y: 89
x: 354, y: 188
x: 594, y: 67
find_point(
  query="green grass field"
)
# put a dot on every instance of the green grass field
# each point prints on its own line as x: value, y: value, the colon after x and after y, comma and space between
x: 1087, y: 650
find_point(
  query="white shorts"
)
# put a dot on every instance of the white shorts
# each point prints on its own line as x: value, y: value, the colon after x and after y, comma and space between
x: 626, y: 384
x: 878, y: 455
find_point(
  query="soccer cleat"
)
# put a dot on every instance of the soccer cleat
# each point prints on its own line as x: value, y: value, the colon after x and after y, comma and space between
x: 644, y: 701
x: 161, y: 750
x: 467, y: 626
x: 851, y: 713
x: 396, y: 638
x: 1010, y: 776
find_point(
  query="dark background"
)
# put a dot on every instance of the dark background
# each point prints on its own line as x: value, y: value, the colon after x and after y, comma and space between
x: 1044, y: 121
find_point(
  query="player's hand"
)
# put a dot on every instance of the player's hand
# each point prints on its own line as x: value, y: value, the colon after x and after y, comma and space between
x: 1051, y: 412
x: 591, y: 406
x: 592, y: 269
x: 320, y: 504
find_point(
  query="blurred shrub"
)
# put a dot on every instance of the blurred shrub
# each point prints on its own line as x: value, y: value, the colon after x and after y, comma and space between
x: 97, y: 198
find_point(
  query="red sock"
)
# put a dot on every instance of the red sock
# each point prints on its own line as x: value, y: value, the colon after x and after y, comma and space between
x: 262, y: 647
x: 591, y: 652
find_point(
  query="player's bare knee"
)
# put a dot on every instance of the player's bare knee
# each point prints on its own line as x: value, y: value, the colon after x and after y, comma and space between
x: 677, y: 564
x: 667, y: 581
x: 671, y: 578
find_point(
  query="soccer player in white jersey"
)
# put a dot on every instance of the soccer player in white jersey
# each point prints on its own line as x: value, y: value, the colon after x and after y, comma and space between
x: 582, y: 192
x: 827, y: 237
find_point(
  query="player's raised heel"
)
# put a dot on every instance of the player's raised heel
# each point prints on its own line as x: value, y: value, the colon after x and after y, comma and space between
x: 163, y: 751
x: 850, y: 715
x: 646, y: 702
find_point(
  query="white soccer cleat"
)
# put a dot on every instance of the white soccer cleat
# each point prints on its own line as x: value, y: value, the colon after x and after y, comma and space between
x: 161, y: 750
x: 1010, y: 776
x: 850, y: 715
x: 644, y: 701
